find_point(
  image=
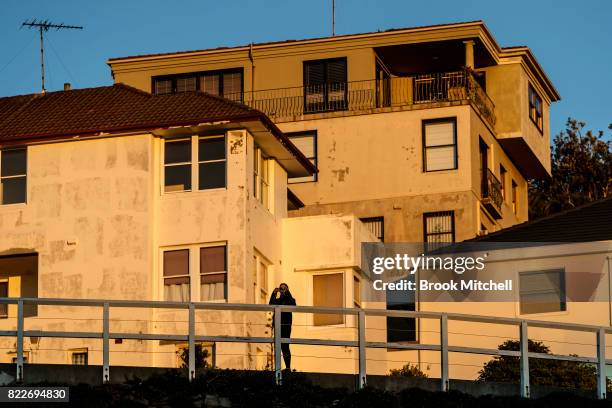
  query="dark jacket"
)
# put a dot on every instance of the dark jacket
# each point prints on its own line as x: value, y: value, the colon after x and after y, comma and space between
x: 287, y: 300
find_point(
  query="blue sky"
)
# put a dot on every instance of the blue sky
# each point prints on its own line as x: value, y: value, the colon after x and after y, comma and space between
x: 571, y: 40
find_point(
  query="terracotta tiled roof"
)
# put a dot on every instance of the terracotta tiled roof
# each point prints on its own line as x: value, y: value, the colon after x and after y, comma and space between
x: 120, y: 108
x: 109, y: 108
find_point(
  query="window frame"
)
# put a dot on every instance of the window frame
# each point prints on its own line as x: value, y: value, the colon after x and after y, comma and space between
x: 189, y: 277
x: 357, y: 291
x: 424, y: 123
x: 18, y: 176
x: 261, y: 178
x: 197, y: 74
x: 79, y: 352
x: 503, y: 174
x: 326, y: 99
x: 195, y: 163
x: 343, y: 300
x: 562, y: 290
x: 5, y: 307
x: 200, y: 274
x: 380, y: 219
x: 194, y: 270
x: 514, y: 197
x: 533, y: 105
x: 434, y: 214
x: 315, y: 148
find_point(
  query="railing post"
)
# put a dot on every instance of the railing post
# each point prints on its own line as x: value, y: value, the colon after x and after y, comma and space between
x: 191, y: 340
x: 601, y: 364
x: 524, y: 360
x: 444, y: 352
x: 105, y: 344
x: 277, y: 345
x: 362, y: 349
x: 19, y: 367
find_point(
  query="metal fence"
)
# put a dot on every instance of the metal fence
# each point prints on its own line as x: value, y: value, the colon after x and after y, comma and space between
x: 276, y: 340
x: 370, y: 94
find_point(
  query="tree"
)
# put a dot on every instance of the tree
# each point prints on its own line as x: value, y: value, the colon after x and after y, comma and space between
x: 581, y: 167
x: 201, y: 354
x: 566, y: 374
x: 408, y: 370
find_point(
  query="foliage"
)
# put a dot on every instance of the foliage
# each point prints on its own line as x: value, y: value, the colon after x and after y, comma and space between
x: 201, y: 354
x: 566, y: 374
x: 257, y: 389
x: 408, y: 370
x: 581, y: 165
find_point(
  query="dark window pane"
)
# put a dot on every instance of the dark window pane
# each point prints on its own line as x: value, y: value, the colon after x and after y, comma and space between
x: 210, y: 83
x: 176, y: 262
x: 232, y: 85
x: 177, y: 178
x: 212, y: 259
x: 13, y: 190
x: 177, y: 152
x: 13, y: 162
x: 3, y: 293
x: 211, y: 149
x: 212, y: 175
x: 185, y: 84
x: 163, y: 86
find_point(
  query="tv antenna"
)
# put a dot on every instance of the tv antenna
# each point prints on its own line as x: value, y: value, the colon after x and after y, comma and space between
x: 42, y: 26
x: 333, y: 18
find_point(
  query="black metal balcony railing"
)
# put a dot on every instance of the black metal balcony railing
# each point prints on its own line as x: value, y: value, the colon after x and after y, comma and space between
x: 370, y: 94
x: 492, y: 196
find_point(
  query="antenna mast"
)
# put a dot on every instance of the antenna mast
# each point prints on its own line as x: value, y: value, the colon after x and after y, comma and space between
x: 333, y: 18
x: 45, y: 25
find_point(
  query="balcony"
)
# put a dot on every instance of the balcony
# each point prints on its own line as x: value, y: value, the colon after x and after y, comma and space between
x: 377, y: 94
x: 492, y: 197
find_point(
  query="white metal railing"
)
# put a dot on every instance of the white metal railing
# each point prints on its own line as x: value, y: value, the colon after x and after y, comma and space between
x: 361, y: 344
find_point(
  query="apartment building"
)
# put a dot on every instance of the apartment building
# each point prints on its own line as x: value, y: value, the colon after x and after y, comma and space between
x: 114, y: 193
x: 426, y: 134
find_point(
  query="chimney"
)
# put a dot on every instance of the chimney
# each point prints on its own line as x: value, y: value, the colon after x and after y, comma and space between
x: 67, y: 86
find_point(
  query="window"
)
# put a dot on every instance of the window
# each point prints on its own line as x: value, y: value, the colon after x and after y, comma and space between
x: 325, y: 86
x: 212, y: 162
x: 13, y: 176
x: 4, y: 293
x: 176, y: 276
x: 328, y: 291
x: 401, y: 329
x: 376, y: 225
x: 226, y: 83
x: 514, y: 197
x: 307, y: 143
x: 261, y: 178
x: 209, y: 152
x: 177, y: 165
x: 439, y: 144
x: 80, y: 358
x: 439, y: 227
x: 213, y: 273
x: 502, y: 178
x: 260, y: 280
x: 535, y: 108
x: 542, y: 291
x: 356, y: 292
x: 204, y: 264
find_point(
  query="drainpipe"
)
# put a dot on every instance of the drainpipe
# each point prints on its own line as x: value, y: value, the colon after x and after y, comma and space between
x: 252, y: 67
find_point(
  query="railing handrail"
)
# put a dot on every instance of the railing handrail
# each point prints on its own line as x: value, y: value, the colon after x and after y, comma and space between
x: 162, y: 304
x: 364, y: 94
x: 361, y: 344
